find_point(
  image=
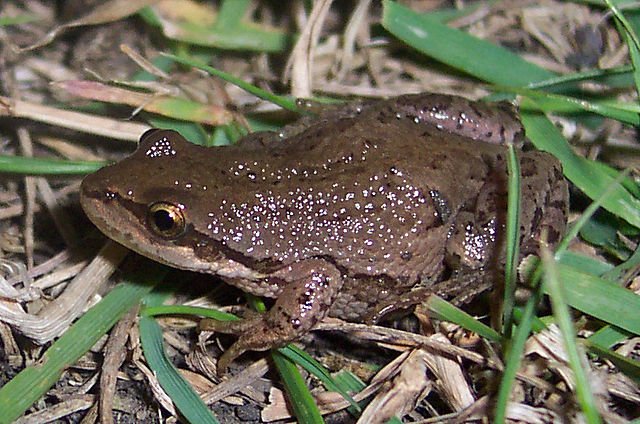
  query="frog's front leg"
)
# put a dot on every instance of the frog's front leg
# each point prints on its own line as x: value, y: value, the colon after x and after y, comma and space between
x: 309, y: 288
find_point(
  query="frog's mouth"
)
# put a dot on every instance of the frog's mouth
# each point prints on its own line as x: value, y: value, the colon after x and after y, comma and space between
x: 124, y: 221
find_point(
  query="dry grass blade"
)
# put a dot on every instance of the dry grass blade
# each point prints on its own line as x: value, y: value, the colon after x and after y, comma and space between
x: 84, y: 122
x: 115, y: 354
x: 55, y: 317
x: 156, y: 103
x: 61, y: 410
x: 300, y: 62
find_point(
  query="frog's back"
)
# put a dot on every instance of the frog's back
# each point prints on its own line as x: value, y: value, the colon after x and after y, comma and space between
x: 368, y: 194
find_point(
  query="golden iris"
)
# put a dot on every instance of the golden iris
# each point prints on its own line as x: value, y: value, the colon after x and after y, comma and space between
x: 166, y: 220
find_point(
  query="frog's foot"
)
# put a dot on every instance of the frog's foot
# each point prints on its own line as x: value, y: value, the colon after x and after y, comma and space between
x: 402, y: 303
x: 255, y: 331
x: 462, y: 288
x: 310, y: 286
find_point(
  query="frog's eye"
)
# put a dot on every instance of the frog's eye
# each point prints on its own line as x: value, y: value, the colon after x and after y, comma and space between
x: 166, y: 220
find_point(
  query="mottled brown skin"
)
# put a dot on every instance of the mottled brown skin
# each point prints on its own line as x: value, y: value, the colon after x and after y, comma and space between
x: 355, y: 213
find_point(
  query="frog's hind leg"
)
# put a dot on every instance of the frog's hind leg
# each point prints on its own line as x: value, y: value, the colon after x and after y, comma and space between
x: 462, y: 288
x: 310, y: 286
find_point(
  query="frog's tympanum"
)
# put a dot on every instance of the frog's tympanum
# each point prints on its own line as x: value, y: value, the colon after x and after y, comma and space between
x: 358, y: 212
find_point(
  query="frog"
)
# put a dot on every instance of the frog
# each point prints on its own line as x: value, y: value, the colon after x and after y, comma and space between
x: 357, y: 213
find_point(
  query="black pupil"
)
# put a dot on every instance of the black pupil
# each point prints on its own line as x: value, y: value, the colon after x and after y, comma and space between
x: 163, y: 220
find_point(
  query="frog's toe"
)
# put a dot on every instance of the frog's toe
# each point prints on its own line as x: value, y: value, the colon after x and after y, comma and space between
x: 261, y: 337
x: 227, y: 358
x: 229, y: 327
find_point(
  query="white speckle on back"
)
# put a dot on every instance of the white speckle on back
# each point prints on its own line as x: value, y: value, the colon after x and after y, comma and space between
x: 161, y: 147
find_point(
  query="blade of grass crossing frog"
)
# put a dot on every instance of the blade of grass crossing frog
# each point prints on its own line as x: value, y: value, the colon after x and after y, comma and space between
x: 513, y: 240
x: 152, y: 311
x: 304, y: 406
x: 33, y: 382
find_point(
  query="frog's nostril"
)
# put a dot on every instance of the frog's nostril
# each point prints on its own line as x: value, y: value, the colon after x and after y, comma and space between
x: 110, y: 194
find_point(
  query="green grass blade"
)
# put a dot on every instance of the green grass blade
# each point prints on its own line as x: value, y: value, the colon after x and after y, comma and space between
x: 443, y: 310
x: 602, y: 299
x: 548, y: 102
x: 34, y: 381
x: 237, y: 34
x: 590, y: 177
x: 230, y: 13
x: 590, y: 74
x: 458, y: 49
x: 514, y: 351
x: 281, y: 101
x: 179, y: 390
x: 39, y: 166
x: 586, y: 264
x: 565, y: 324
x: 304, y: 406
x: 17, y: 20
x: 292, y: 352
x: 626, y: 365
x: 513, y: 240
x: 630, y: 37
x: 608, y: 336
x: 151, y: 311
x: 315, y: 368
